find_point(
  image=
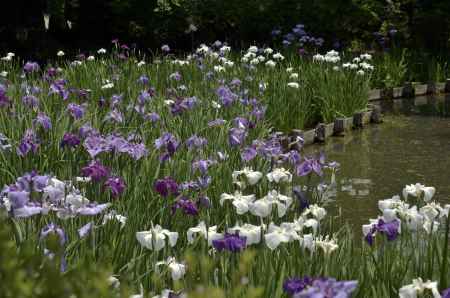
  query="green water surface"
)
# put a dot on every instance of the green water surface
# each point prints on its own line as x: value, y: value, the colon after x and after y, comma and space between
x: 411, y: 146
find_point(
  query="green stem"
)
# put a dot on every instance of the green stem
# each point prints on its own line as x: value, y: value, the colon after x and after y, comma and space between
x: 444, y: 266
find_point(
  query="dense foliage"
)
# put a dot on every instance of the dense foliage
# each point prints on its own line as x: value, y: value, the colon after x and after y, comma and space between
x: 353, y: 23
x: 169, y: 172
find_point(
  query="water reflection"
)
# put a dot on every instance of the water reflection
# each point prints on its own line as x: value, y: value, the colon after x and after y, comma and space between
x: 412, y: 145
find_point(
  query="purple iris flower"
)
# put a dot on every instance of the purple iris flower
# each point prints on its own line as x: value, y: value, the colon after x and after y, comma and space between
x: 300, y: 195
x: 446, y: 293
x: 92, y: 209
x: 51, y: 72
x: 182, y: 105
x: 95, y: 145
x: 204, y: 201
x: 170, y: 145
x: 165, y: 187
x: 56, y: 230
x: 34, y: 181
x: 275, y: 32
x: 153, y: 117
x: 259, y: 112
x: 30, y: 209
x: 4, y: 99
x: 241, y: 122
x: 144, y: 80
x: 70, y: 140
x: 202, y: 165
x: 196, y: 142
x: 189, y: 207
x: 328, y: 288
x: 286, y: 43
x: 95, y: 170
x: 116, y: 184
x: 39, y: 182
x: 390, y: 229
x: 226, y: 96
x: 319, y: 42
x: 189, y: 185
x: 140, y: 109
x: 30, y: 67
x: 293, y: 157
x: 29, y: 100
x: 298, y: 31
x: 87, y: 130
x: 290, y: 37
x: 58, y: 87
x: 175, y: 76
x: 115, y: 115
x: 144, y: 97
x: 216, y: 122
x: 295, y: 285
x: 236, y: 136
x: 203, y: 181
x: 268, y: 148
x: 235, y: 82
x: 116, y: 100
x: 189, y: 102
x: 31, y: 182
x: 248, y: 153
x: 29, y: 143
x: 116, y: 143
x: 137, y: 151
x: 83, y: 94
x: 311, y: 165
x: 85, y: 230
x: 43, y: 120
x: 52, y: 229
x: 230, y: 242
x: 18, y: 199
x: 77, y: 111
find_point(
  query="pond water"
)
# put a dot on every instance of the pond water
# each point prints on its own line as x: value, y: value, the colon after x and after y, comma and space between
x: 412, y: 145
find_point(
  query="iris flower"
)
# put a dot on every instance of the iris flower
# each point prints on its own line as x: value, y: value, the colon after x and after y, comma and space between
x: 279, y: 175
x: 155, y: 238
x: 177, y: 270
x: 390, y: 229
x: 417, y: 190
x: 240, y: 202
x: 251, y: 177
x: 251, y: 232
x: 209, y: 233
x: 418, y: 286
x: 263, y: 207
x: 230, y: 242
x: 284, y: 233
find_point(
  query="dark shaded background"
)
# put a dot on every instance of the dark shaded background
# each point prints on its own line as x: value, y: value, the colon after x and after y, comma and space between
x: 421, y: 24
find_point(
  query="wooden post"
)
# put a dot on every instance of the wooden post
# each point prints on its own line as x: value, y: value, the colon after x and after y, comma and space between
x: 320, y: 133
x: 408, y: 90
x: 358, y: 120
x: 387, y: 93
x: 447, y: 86
x: 376, y: 115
